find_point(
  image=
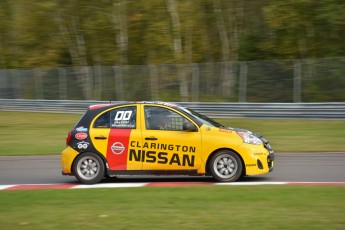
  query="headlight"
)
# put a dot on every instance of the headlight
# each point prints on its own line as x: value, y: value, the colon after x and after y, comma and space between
x: 249, y: 138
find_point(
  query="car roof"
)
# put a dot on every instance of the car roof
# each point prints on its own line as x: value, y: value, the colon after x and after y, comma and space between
x: 96, y: 109
x: 110, y: 105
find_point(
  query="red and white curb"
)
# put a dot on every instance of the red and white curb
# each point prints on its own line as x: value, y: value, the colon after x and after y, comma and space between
x: 156, y: 184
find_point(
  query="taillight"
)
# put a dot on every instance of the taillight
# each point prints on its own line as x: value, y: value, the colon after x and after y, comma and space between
x: 69, y: 135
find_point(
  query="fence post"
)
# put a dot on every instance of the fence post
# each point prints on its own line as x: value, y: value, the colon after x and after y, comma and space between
x: 242, y: 91
x: 195, y: 82
x: 154, y: 85
x: 89, y: 82
x: 62, y: 83
x: 3, y: 84
x: 118, y: 83
x: 297, y: 73
x: 15, y: 84
x: 38, y: 83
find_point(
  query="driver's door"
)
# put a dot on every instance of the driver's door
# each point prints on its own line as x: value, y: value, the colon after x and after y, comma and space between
x: 171, y: 148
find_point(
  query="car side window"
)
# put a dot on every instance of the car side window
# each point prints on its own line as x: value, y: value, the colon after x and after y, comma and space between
x: 103, y: 121
x: 157, y: 118
x: 122, y: 118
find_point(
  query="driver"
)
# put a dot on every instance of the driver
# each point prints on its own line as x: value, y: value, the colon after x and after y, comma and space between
x: 160, y: 119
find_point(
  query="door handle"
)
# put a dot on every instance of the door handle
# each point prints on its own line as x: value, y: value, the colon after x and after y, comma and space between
x: 100, y: 138
x: 151, y: 138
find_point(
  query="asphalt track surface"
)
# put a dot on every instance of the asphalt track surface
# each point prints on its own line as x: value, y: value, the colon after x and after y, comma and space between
x: 289, y: 167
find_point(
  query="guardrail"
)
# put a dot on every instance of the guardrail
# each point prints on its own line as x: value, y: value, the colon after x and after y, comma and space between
x: 331, y: 110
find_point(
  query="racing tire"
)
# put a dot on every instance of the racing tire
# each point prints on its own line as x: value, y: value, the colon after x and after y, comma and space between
x: 225, y: 166
x: 88, y: 168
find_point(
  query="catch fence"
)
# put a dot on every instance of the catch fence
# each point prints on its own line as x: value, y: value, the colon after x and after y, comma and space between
x: 280, y: 81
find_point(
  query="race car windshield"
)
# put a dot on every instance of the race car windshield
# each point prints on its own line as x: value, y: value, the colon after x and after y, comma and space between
x: 204, y: 119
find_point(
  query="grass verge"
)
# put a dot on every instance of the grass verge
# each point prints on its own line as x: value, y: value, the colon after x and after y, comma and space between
x: 27, y: 133
x: 199, y: 207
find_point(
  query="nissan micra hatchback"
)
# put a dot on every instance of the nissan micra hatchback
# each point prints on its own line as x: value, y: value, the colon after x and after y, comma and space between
x: 156, y: 138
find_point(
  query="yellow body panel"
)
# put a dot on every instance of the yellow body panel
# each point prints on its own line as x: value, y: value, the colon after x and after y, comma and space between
x: 173, y: 150
x: 100, y: 145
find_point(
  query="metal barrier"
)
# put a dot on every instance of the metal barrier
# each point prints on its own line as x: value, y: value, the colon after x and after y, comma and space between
x: 335, y: 110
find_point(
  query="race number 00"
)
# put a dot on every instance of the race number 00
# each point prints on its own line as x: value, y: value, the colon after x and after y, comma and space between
x: 123, y: 116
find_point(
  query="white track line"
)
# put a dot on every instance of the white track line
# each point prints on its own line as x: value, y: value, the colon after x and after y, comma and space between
x: 3, y: 187
x: 161, y: 184
x: 111, y: 185
x: 253, y: 183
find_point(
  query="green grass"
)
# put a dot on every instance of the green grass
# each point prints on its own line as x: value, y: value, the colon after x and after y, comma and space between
x: 26, y: 133
x: 205, y: 207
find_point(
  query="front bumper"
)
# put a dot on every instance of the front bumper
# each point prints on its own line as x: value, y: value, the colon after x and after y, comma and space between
x: 270, y: 161
x: 256, y: 158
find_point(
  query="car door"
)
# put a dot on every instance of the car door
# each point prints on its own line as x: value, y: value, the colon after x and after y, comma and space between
x: 169, y: 147
x: 111, y: 134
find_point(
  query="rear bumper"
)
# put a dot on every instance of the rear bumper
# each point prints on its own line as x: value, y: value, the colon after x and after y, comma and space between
x: 66, y: 174
x: 67, y: 158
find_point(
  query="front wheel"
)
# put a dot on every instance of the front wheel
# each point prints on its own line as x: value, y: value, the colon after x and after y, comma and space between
x: 225, y: 166
x: 88, y: 168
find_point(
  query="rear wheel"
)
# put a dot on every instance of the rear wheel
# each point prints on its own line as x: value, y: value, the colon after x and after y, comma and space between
x: 225, y: 166
x: 88, y: 168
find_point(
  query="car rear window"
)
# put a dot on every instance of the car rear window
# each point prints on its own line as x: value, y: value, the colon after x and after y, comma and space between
x: 124, y: 117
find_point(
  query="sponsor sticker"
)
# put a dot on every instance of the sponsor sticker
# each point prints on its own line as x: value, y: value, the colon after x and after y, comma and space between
x: 117, y: 148
x: 81, y: 136
x: 82, y: 145
x: 225, y: 131
x: 81, y: 129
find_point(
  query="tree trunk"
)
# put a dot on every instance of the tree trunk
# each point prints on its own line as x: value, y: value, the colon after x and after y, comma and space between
x: 2, y: 57
x: 225, y: 43
x: 74, y: 40
x: 119, y: 18
x: 177, y: 47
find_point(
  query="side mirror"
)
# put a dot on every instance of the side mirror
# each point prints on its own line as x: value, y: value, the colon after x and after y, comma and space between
x: 188, y: 126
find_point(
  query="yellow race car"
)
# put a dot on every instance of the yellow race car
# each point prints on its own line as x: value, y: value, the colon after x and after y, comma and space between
x: 157, y: 138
